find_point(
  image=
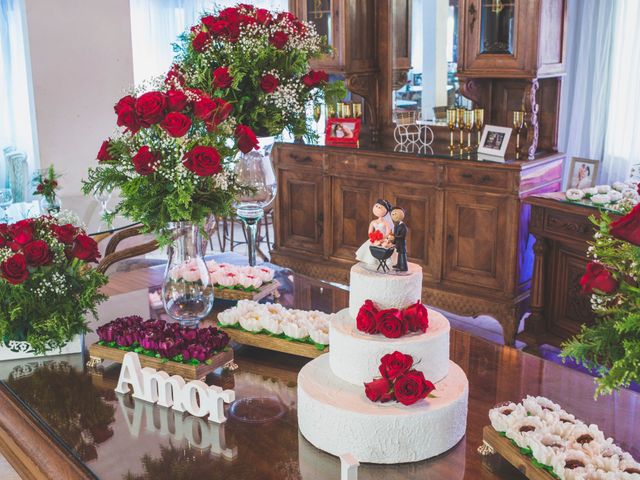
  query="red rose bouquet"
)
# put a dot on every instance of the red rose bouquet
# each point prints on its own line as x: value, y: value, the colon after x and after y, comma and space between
x: 240, y: 73
x: 611, y: 345
x: 392, y: 323
x: 399, y: 381
x: 46, y: 284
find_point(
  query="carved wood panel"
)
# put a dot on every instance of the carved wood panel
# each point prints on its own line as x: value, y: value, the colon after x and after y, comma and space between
x: 352, y: 204
x: 423, y: 206
x: 301, y: 210
x: 476, y: 234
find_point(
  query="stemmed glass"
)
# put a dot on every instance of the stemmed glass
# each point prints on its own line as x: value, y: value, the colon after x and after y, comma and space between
x: 460, y: 122
x: 479, y: 114
x: 518, y: 125
x: 6, y: 199
x: 469, y: 121
x: 103, y: 198
x: 451, y: 122
x: 255, y: 172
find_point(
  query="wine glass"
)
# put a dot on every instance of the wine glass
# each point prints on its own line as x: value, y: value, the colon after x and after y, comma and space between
x: 103, y: 197
x: 518, y: 125
x: 460, y: 124
x: 469, y: 121
x: 6, y: 199
x: 451, y: 122
x: 479, y: 114
x: 255, y: 172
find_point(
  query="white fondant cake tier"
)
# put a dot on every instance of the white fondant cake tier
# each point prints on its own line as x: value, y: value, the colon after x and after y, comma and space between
x: 355, y: 355
x: 385, y: 290
x: 337, y: 417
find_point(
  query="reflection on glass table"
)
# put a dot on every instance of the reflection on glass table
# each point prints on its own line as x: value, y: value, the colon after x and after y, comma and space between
x: 144, y: 441
x: 89, y: 211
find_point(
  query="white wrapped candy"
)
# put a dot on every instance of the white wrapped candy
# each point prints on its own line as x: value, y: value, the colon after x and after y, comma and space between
x: 601, y: 199
x: 574, y: 194
x: 603, y: 188
x: 615, y: 196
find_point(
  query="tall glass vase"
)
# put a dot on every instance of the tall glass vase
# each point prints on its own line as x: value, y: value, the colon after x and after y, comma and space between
x: 255, y: 171
x: 187, y: 293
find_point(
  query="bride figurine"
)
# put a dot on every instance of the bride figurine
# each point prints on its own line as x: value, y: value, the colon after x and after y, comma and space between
x: 379, y: 230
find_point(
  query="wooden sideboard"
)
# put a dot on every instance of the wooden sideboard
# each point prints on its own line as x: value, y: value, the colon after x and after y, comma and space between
x: 468, y: 225
x: 562, y: 231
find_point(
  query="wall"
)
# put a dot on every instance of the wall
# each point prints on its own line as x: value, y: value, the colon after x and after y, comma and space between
x: 81, y: 62
x: 434, y: 60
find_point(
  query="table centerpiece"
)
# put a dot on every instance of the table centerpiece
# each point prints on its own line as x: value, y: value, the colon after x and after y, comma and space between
x: 46, y: 287
x: 238, y: 74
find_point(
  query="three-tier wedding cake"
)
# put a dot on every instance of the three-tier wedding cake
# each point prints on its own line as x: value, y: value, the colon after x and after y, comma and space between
x: 334, y: 413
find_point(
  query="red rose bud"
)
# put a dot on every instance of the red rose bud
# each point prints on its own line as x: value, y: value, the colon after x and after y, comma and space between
x: 598, y: 278
x: 144, y: 161
x: 246, y: 139
x: 150, y: 108
x: 103, y: 153
x: 176, y: 100
x: 263, y: 16
x: 221, y: 78
x: 37, y: 253
x: 200, y: 41
x: 85, y: 248
x: 378, y: 390
x: 127, y: 117
x: 203, y: 108
x: 416, y: 317
x: 40, y: 188
x: 395, y: 364
x: 268, y: 83
x: 366, y: 318
x: 220, y: 113
x: 627, y: 228
x: 390, y: 323
x: 411, y: 387
x: 279, y: 39
x: 176, y: 124
x: 174, y: 76
x: 64, y: 233
x: 203, y: 161
x: 209, y: 21
x: 219, y: 28
x: 21, y: 232
x: 14, y: 269
x: 315, y: 78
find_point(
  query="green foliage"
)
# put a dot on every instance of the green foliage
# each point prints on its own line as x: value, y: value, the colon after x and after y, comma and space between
x: 611, y: 346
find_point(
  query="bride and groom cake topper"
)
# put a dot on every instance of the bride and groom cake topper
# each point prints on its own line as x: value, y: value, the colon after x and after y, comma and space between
x: 387, y: 238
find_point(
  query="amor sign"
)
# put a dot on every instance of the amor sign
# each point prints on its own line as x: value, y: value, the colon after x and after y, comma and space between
x: 195, y: 397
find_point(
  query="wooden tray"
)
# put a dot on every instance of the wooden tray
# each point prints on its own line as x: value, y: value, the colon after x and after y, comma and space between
x: 99, y: 353
x: 493, y: 442
x: 268, y: 342
x: 263, y: 291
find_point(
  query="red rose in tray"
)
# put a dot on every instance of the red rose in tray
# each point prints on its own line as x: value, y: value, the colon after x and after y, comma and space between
x: 399, y: 381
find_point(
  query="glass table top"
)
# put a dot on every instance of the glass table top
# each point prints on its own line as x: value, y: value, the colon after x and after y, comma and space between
x: 117, y: 437
x: 87, y: 209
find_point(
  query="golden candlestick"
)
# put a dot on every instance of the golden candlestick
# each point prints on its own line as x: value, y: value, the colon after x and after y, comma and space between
x: 518, y: 125
x: 451, y: 122
x: 479, y: 114
x: 469, y: 120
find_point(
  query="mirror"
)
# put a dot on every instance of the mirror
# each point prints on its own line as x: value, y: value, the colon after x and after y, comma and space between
x: 425, y: 56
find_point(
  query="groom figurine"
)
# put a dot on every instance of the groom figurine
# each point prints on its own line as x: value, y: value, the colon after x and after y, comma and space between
x: 400, y: 238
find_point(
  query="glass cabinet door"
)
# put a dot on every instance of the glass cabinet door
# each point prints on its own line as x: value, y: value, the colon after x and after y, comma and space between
x: 497, y: 26
x: 320, y: 14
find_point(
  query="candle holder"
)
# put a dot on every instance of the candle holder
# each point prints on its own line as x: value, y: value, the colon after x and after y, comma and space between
x: 518, y: 125
x: 469, y: 120
x: 479, y: 117
x: 451, y: 122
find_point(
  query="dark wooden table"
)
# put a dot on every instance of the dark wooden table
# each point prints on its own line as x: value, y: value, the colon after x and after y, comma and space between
x: 562, y: 231
x: 59, y: 421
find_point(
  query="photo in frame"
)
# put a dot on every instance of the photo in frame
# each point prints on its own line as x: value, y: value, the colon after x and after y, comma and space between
x: 583, y: 173
x: 494, y: 140
x: 343, y: 132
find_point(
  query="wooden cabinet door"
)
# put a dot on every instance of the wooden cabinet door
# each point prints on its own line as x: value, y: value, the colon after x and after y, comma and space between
x: 352, y: 203
x: 478, y: 239
x: 423, y: 207
x: 476, y: 55
x: 301, y: 210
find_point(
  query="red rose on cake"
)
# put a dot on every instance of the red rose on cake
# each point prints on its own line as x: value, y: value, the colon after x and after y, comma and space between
x: 416, y: 317
x: 366, y: 320
x: 390, y: 323
x: 395, y: 364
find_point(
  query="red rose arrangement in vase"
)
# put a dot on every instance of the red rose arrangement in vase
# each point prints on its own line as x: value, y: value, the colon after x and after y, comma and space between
x: 399, y: 381
x: 392, y: 322
x: 240, y: 73
x: 46, y: 284
x: 611, y: 345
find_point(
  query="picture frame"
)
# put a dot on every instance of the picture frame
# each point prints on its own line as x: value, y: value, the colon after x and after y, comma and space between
x: 344, y: 132
x: 583, y: 173
x: 494, y: 140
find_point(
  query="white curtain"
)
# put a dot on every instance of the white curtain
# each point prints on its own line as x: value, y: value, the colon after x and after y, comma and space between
x: 156, y: 24
x: 622, y: 140
x: 17, y: 128
x: 599, y: 102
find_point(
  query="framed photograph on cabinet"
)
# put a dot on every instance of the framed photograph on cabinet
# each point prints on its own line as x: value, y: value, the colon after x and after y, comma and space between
x: 344, y: 132
x: 494, y: 140
x: 583, y: 173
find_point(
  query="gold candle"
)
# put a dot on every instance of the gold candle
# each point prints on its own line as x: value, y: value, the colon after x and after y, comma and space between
x: 357, y: 110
